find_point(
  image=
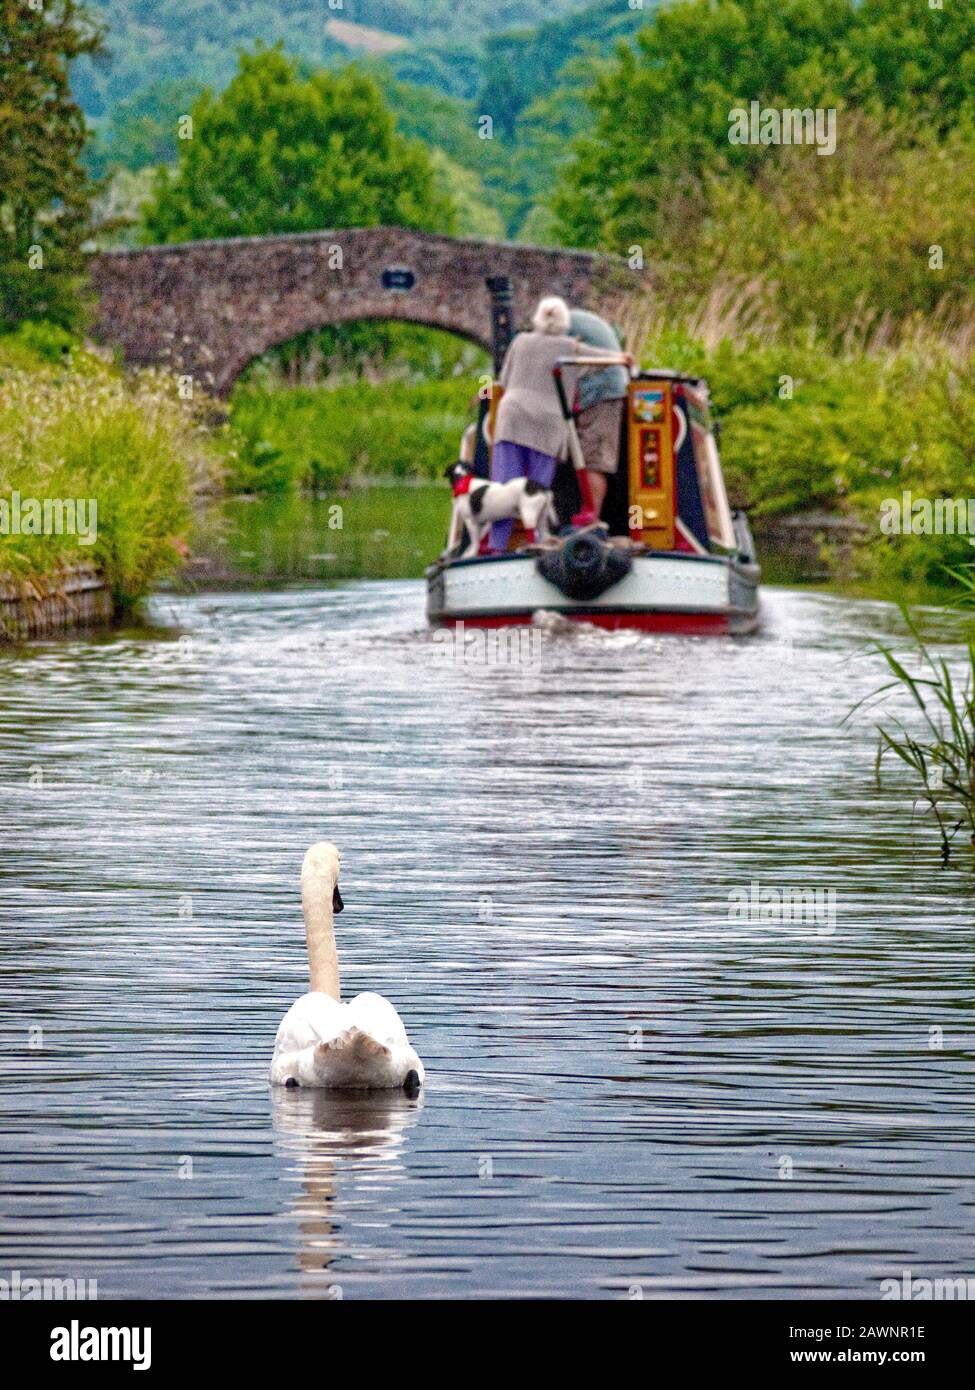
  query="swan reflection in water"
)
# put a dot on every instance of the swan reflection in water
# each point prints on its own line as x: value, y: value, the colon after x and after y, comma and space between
x: 332, y: 1136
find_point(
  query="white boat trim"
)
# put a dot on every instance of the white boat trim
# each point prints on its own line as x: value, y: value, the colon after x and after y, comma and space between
x: 510, y: 588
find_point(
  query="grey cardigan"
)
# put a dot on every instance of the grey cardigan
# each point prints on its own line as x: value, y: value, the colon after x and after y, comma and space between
x: 529, y: 413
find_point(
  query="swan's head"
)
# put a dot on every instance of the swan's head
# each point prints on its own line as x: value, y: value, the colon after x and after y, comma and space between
x: 320, y: 869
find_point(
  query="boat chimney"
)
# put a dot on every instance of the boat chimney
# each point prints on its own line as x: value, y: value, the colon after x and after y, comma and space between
x: 502, y: 301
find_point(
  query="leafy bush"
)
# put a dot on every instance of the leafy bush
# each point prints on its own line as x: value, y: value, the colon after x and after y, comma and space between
x: 317, y: 437
x: 807, y: 428
x: 373, y: 350
x: 81, y: 430
x: 862, y: 245
x: 39, y: 338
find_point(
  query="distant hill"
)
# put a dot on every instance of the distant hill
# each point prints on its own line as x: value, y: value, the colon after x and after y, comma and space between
x: 360, y: 38
x: 150, y: 41
x: 442, y: 64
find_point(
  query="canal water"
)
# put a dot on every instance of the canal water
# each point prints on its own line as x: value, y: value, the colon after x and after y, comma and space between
x: 638, y: 1083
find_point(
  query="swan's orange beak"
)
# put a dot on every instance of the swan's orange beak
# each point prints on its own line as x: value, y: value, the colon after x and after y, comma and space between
x: 337, y: 903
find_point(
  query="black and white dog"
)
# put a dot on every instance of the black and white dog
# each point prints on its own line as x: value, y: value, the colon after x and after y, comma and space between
x: 478, y: 503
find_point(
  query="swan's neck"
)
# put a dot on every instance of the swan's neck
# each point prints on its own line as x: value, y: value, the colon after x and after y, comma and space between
x: 323, y: 960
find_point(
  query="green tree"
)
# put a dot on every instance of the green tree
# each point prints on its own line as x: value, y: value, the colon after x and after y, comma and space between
x: 142, y: 128
x: 662, y: 108
x: 522, y: 65
x: 509, y: 78
x: 449, y: 126
x: 858, y: 243
x: 278, y: 152
x: 44, y: 190
x: 476, y: 214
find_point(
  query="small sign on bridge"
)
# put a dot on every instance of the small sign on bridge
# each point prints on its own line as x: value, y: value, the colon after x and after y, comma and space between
x: 398, y: 277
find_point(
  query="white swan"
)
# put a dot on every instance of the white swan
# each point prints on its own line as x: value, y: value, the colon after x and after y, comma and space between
x: 322, y: 1042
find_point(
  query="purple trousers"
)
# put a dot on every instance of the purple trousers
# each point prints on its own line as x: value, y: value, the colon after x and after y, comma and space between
x: 510, y: 461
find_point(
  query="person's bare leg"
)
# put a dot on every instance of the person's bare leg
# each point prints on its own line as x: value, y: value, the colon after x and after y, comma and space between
x: 597, y: 486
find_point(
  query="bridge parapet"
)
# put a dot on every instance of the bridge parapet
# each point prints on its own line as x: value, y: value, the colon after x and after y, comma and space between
x: 208, y: 308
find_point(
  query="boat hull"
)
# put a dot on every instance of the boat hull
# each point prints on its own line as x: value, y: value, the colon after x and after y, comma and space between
x: 706, y: 595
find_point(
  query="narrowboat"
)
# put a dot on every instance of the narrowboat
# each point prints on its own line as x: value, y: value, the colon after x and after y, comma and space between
x: 666, y: 553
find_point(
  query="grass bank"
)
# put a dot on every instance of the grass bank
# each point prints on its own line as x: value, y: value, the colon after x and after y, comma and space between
x: 319, y: 437
x: 808, y: 426
x: 75, y: 430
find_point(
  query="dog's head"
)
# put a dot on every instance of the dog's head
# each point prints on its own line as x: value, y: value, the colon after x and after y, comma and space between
x: 457, y: 472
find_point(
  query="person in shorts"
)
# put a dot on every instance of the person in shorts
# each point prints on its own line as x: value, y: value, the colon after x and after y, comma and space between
x: 601, y: 398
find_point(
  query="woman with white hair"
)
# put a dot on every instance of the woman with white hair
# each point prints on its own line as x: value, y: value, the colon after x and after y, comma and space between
x: 529, y: 431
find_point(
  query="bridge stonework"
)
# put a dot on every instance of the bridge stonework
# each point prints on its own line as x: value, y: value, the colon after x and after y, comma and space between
x: 208, y: 308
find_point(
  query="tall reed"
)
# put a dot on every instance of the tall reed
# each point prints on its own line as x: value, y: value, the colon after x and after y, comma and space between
x: 940, y: 752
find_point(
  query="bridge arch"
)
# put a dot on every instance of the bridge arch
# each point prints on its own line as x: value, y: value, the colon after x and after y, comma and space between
x: 345, y: 314
x: 208, y: 308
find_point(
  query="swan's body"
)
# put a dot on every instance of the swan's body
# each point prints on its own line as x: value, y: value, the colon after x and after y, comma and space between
x: 322, y: 1042
x: 359, y: 1045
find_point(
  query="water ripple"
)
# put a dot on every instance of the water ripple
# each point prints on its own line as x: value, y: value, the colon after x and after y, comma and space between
x: 628, y: 1088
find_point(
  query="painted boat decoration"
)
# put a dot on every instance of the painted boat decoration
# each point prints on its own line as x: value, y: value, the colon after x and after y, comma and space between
x: 667, y: 553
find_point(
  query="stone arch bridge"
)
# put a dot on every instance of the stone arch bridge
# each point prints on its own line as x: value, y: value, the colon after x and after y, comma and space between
x: 208, y: 308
